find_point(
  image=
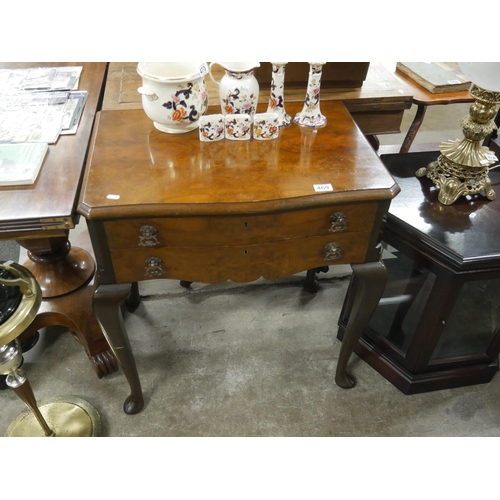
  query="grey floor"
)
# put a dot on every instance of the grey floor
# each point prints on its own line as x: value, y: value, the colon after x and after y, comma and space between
x: 254, y: 360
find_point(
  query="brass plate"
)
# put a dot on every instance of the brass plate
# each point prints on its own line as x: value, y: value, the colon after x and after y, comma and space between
x: 67, y: 416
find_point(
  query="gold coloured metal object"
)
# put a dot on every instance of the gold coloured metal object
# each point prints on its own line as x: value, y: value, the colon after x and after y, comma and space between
x: 463, y: 165
x: 57, y: 417
x: 67, y: 417
x: 332, y: 251
x: 148, y: 237
x: 338, y: 222
x: 30, y: 302
x: 153, y: 267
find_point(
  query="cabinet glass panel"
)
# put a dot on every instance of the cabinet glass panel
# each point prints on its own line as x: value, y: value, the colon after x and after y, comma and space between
x: 473, y: 322
x: 403, y: 302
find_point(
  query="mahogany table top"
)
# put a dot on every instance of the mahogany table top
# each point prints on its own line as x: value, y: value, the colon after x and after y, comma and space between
x: 49, y: 204
x: 466, y: 232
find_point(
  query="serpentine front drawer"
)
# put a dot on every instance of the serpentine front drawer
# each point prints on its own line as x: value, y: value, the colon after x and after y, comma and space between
x: 240, y: 263
x: 224, y: 230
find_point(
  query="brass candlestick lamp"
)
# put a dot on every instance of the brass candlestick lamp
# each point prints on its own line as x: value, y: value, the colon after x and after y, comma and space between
x: 463, y: 165
x: 20, y: 299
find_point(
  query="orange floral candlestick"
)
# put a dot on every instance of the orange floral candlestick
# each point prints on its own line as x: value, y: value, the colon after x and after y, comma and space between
x: 277, y: 95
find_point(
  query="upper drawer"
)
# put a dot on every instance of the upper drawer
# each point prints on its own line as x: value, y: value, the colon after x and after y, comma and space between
x: 235, y: 230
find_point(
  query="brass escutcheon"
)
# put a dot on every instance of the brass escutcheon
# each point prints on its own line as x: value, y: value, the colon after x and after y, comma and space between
x: 148, y: 237
x: 339, y: 222
x: 153, y: 266
x: 332, y: 251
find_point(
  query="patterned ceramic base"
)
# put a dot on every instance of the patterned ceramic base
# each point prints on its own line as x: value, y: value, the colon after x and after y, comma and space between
x: 182, y: 129
x: 266, y: 126
x: 211, y: 128
x: 311, y: 121
x: 238, y: 127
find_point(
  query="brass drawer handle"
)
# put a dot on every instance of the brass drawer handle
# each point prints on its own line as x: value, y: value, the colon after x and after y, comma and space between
x: 332, y: 251
x: 153, y: 266
x: 148, y: 238
x: 338, y: 221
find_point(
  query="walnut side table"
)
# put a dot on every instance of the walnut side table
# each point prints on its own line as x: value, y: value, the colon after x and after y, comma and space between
x: 164, y: 206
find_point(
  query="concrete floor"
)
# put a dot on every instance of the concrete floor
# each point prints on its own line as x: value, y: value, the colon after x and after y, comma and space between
x: 254, y: 360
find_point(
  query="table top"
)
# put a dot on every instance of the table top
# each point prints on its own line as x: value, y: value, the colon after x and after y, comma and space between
x: 423, y: 96
x: 380, y: 86
x: 135, y: 170
x: 50, y: 203
x: 468, y: 230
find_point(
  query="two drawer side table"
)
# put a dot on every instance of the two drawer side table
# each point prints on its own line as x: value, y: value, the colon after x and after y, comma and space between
x: 164, y: 206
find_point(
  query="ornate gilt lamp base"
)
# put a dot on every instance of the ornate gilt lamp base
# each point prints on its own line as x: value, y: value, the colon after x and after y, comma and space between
x: 66, y: 417
x: 456, y: 180
x: 463, y: 166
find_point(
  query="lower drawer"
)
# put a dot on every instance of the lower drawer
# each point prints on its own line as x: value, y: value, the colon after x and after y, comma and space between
x: 240, y: 263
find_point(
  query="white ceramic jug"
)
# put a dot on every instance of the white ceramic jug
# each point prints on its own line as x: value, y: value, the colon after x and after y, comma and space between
x: 238, y: 88
x: 174, y: 95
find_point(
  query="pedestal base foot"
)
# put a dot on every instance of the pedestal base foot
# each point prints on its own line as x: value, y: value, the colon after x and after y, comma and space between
x: 74, y: 311
x: 104, y: 363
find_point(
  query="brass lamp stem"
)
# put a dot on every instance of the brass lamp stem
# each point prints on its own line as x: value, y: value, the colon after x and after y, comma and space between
x: 17, y: 380
x: 462, y: 167
x: 69, y: 417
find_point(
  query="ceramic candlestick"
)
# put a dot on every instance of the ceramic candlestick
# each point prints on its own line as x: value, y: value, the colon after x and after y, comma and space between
x: 277, y: 95
x: 311, y: 116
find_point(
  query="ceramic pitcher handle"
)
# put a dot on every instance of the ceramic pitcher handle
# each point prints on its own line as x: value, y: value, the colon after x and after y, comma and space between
x: 212, y: 76
x: 149, y: 94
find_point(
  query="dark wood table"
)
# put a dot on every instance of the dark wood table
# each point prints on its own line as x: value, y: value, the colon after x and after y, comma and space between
x: 437, y: 325
x: 40, y: 217
x: 423, y: 98
x: 169, y: 206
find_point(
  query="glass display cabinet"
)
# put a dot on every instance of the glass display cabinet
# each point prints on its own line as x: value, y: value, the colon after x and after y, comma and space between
x: 437, y: 325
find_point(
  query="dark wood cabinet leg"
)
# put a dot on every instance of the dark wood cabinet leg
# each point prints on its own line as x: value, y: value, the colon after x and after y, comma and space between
x: 107, y: 301
x: 134, y: 299
x: 369, y: 280
x: 310, y: 284
x: 374, y: 141
x: 412, y: 131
